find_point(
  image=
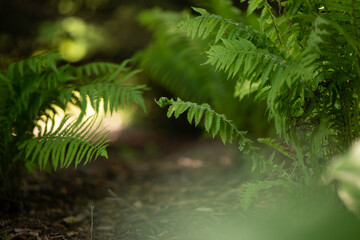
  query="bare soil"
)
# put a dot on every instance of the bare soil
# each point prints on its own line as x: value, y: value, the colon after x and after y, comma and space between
x: 153, y: 186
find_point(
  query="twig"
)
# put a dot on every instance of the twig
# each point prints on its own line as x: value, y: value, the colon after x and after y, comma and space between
x: 92, y: 221
x: 143, y: 216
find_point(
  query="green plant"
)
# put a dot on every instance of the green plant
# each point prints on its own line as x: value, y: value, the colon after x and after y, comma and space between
x: 302, y: 58
x: 34, y: 90
x: 175, y: 63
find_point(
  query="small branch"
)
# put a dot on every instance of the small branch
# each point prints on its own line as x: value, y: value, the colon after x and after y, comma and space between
x: 92, y: 221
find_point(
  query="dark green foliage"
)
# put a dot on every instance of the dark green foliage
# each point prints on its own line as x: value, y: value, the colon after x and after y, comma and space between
x: 34, y: 90
x: 176, y: 63
x: 215, y: 123
x: 303, y: 60
x: 250, y: 191
x: 68, y: 143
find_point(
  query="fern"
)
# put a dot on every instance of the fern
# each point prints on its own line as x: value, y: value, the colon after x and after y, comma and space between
x: 69, y: 142
x: 280, y: 148
x: 215, y: 123
x: 224, y: 8
x: 174, y: 62
x: 34, y: 90
x: 302, y: 58
x: 242, y: 57
x: 251, y: 192
x: 208, y: 24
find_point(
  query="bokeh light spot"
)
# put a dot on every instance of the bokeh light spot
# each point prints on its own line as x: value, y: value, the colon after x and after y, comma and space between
x: 73, y: 51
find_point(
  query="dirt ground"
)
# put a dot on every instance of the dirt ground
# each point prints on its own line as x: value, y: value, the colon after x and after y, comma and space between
x: 152, y: 187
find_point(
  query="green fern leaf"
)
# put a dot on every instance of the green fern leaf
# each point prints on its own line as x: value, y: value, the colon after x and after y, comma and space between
x: 253, y: 5
x: 180, y: 109
x: 65, y: 143
x: 223, y: 132
x: 198, y: 115
x: 215, y: 123
x: 208, y: 120
x: 170, y: 111
x: 236, y: 55
x: 278, y: 147
x: 191, y: 114
x: 202, y: 26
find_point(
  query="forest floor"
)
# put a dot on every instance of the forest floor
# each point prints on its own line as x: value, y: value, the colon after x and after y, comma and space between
x: 151, y: 187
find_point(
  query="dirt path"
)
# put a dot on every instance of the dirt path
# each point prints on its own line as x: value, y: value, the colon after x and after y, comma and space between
x: 150, y: 188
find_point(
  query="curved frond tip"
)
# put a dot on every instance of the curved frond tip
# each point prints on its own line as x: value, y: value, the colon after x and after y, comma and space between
x: 215, y: 123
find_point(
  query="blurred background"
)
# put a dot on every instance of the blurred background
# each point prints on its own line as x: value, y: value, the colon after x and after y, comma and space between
x: 146, y: 31
x: 81, y: 29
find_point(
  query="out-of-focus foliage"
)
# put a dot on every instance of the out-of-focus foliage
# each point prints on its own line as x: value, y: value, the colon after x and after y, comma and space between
x: 346, y: 170
x: 302, y: 59
x: 112, y: 32
x: 34, y: 90
x: 296, y: 66
x: 175, y: 62
x: 214, y: 122
x: 74, y: 38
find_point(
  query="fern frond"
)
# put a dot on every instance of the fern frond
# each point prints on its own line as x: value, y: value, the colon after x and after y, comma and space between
x: 205, y: 24
x: 105, y: 72
x: 175, y: 63
x: 34, y: 88
x: 253, y: 5
x: 36, y: 64
x: 224, y: 8
x: 214, y: 122
x: 70, y: 142
x: 278, y: 147
x: 250, y: 192
x: 99, y: 68
x: 113, y: 95
x: 244, y: 58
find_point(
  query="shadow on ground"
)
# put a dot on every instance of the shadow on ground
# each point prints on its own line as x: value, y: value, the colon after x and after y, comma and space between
x: 151, y: 187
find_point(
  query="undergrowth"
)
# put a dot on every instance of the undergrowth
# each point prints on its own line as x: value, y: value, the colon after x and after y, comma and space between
x: 33, y: 91
x: 302, y: 59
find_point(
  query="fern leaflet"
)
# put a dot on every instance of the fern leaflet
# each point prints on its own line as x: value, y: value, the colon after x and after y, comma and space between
x: 204, y: 25
x: 70, y: 142
x: 214, y: 122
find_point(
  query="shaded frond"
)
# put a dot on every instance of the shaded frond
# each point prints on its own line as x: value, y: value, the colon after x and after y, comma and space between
x: 251, y: 192
x: 112, y: 95
x: 36, y: 64
x: 205, y: 24
x: 215, y: 123
x: 175, y: 63
x: 35, y: 89
x: 244, y: 58
x: 70, y: 142
x: 105, y: 72
x: 281, y: 148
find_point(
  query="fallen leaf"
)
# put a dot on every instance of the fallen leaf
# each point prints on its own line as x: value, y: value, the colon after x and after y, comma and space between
x: 71, y: 220
x: 190, y: 163
x: 203, y: 209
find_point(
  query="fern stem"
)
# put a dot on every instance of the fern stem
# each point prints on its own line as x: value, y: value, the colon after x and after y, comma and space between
x: 268, y: 7
x: 356, y: 116
x: 347, y: 115
x: 354, y: 18
x: 356, y: 29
